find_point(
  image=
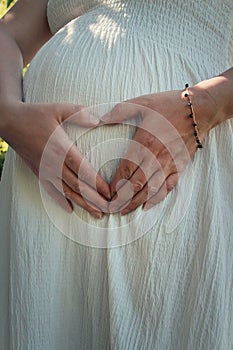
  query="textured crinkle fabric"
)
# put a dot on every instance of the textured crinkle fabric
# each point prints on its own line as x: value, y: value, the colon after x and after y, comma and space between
x: 159, y: 291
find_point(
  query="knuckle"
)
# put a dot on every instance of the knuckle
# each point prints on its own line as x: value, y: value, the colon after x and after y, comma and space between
x: 152, y: 190
x: 125, y: 172
x: 152, y: 160
x: 150, y: 168
x: 142, y: 152
x: 137, y: 186
x: 154, y: 185
x: 159, y: 177
x: 76, y: 188
x: 117, y: 108
x: 70, y: 160
x: 166, y: 162
x: 149, y: 140
x: 67, y: 193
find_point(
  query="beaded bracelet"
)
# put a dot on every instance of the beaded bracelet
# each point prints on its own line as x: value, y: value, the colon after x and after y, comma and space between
x: 192, y: 115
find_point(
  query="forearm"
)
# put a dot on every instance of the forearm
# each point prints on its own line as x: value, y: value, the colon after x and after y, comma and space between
x: 219, y: 92
x: 222, y: 92
x: 11, y: 64
x: 23, y: 30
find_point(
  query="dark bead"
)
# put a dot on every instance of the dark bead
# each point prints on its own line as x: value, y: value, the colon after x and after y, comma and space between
x: 195, y: 133
x: 186, y: 85
x: 191, y: 115
x: 198, y: 141
x: 199, y: 146
x: 190, y: 104
x: 186, y: 95
x: 194, y: 124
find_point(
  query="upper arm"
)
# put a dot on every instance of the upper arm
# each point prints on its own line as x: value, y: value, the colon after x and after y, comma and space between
x: 27, y: 23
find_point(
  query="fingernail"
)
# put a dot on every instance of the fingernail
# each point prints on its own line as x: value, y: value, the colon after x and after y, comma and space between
x: 106, y: 117
x: 97, y: 214
x: 125, y: 211
x: 94, y: 120
x: 69, y: 210
x: 113, y: 193
x: 148, y: 206
x: 104, y: 207
x: 68, y: 207
x: 107, y: 195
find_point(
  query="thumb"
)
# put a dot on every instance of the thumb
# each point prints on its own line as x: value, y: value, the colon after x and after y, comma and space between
x: 77, y: 114
x: 121, y: 112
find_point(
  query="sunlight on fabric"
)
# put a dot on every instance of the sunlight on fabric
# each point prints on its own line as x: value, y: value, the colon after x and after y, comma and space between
x: 114, y: 30
x: 70, y: 31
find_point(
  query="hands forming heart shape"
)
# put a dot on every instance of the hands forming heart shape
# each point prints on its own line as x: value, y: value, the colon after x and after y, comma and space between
x: 160, y: 150
x: 162, y: 146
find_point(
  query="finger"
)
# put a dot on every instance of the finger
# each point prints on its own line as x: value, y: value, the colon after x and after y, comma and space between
x: 122, y: 198
x: 128, y: 189
x: 63, y: 195
x: 128, y: 165
x: 144, y: 172
x: 149, y: 190
x: 57, y: 196
x: 154, y: 191
x: 121, y: 112
x: 141, y: 154
x: 124, y: 172
x: 77, y: 114
x: 84, y: 170
x: 84, y: 190
x: 138, y: 173
x: 152, y: 171
x: 80, y: 201
x: 167, y: 187
x: 137, y: 200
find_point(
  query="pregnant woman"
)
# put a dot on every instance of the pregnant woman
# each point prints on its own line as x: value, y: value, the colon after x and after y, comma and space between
x: 115, y: 225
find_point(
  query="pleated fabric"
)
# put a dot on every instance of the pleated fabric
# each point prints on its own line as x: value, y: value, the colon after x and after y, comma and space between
x: 160, y: 279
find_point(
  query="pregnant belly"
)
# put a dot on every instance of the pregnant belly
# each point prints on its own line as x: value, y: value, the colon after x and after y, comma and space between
x: 75, y: 66
x: 65, y: 70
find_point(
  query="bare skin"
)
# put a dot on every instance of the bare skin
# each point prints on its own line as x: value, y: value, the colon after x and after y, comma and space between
x: 27, y: 127
x: 156, y: 157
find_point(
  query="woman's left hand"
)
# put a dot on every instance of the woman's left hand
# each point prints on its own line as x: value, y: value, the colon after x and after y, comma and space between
x: 163, y: 145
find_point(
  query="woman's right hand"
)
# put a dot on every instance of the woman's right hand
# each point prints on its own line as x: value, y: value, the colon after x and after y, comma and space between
x: 28, y: 129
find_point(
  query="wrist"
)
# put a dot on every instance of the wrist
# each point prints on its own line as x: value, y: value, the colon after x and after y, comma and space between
x: 215, y: 98
x: 222, y: 92
x: 204, y: 107
x: 8, y: 117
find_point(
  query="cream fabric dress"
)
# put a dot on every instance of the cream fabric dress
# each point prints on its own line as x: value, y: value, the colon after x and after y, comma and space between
x: 170, y: 284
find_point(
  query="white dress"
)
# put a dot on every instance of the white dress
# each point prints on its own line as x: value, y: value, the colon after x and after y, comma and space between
x: 65, y: 282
